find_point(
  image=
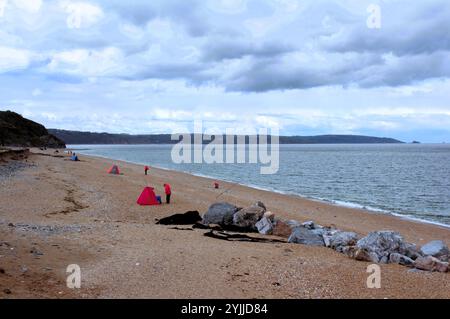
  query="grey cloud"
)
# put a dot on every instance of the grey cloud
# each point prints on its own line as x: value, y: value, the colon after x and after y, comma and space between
x: 194, y: 73
x: 186, y: 13
x: 273, y: 74
x: 223, y: 49
x: 407, y: 70
x: 423, y: 30
x: 365, y: 71
x: 412, y: 46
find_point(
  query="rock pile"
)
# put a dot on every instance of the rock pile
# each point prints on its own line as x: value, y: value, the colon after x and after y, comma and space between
x: 382, y: 247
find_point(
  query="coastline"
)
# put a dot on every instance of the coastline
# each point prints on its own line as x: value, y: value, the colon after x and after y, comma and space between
x: 75, y: 213
x: 338, y: 203
x: 304, y: 201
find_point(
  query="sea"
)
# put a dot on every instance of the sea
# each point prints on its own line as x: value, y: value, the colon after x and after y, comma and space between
x: 407, y: 180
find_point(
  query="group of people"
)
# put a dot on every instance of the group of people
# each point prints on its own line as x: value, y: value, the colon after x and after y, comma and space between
x: 167, y: 187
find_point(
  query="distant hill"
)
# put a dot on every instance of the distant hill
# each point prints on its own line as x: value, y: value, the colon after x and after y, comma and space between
x: 75, y: 137
x: 16, y: 130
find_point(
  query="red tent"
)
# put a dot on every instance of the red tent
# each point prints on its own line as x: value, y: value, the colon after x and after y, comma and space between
x: 147, y: 197
x: 114, y: 170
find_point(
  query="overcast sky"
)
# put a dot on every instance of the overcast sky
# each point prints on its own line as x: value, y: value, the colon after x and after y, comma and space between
x: 311, y: 67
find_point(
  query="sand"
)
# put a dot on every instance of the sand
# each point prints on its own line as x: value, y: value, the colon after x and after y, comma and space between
x: 54, y: 212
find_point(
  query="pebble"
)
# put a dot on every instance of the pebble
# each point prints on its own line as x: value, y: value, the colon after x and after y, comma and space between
x: 7, y: 291
x: 36, y: 252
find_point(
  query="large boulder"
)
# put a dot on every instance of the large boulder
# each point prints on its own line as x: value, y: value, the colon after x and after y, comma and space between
x: 342, y: 239
x: 264, y: 226
x: 437, y: 249
x: 377, y: 246
x: 411, y: 251
x: 281, y: 229
x: 309, y: 224
x: 270, y: 216
x: 247, y: 218
x: 396, y: 258
x: 220, y: 214
x: 305, y: 236
x: 328, y: 234
x: 430, y: 263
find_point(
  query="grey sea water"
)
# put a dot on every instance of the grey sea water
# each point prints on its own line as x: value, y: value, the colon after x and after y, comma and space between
x: 410, y: 180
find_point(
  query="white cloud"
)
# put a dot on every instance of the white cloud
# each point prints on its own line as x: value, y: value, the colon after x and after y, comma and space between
x: 162, y: 114
x: 14, y: 59
x: 228, y: 6
x: 88, y: 63
x: 81, y: 14
x: 31, y: 6
x: 131, y: 31
x: 36, y: 92
x: 284, y: 12
x: 3, y: 4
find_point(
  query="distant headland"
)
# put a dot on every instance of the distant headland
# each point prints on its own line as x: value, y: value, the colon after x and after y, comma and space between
x: 77, y: 137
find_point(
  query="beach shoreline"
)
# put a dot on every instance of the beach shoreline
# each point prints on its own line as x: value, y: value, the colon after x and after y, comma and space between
x: 76, y: 213
x: 336, y: 203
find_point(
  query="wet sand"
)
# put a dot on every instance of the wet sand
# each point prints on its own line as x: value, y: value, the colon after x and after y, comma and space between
x: 54, y: 212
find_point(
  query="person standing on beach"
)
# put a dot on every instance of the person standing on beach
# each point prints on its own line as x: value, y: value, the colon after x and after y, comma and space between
x: 168, y: 192
x: 146, y: 168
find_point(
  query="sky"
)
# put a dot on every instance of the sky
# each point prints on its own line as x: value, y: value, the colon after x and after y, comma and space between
x: 371, y: 67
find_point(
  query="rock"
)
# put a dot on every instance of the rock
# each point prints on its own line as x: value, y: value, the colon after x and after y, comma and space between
x: 11, y: 225
x: 326, y: 240
x: 309, y: 225
x: 304, y: 236
x: 264, y: 226
x: 220, y: 213
x: 319, y: 231
x: 293, y: 223
x: 431, y: 263
x: 187, y: 218
x: 364, y: 255
x: 342, y: 239
x: 327, y: 235
x: 411, y: 251
x: 261, y: 204
x: 281, y: 229
x: 437, y: 249
x: 396, y: 258
x: 379, y: 245
x: 36, y: 252
x: 349, y: 251
x: 270, y: 216
x: 247, y: 218
x: 7, y: 291
x: 2, y: 271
